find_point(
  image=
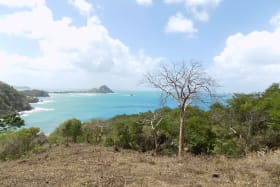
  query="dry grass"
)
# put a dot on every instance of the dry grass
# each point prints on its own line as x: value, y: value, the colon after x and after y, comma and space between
x: 87, y: 165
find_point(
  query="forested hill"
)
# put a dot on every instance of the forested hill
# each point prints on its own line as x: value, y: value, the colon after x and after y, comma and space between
x: 11, y: 100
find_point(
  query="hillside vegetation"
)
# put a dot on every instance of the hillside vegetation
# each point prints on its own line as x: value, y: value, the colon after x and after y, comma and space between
x: 11, y: 100
x: 35, y: 93
x: 247, y: 123
x: 231, y: 144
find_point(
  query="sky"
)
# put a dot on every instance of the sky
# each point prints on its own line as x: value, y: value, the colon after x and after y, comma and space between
x: 81, y: 44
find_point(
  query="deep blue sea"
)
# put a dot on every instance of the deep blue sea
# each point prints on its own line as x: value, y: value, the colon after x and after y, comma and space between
x: 53, y: 110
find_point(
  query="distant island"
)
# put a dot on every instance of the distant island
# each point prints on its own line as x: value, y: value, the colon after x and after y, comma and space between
x: 101, y: 89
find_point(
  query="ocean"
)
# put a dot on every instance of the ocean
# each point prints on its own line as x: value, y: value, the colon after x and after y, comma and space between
x: 52, y: 111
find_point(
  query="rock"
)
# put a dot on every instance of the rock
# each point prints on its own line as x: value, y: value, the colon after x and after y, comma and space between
x: 215, y: 175
x: 101, y: 89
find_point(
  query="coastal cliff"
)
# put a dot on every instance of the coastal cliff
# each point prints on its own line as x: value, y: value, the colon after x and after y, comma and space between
x: 11, y: 100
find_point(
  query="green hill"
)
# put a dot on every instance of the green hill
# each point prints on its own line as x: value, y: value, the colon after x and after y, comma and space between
x: 11, y: 100
x: 35, y: 93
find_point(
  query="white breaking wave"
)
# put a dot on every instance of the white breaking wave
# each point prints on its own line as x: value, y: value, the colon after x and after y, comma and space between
x: 44, y: 102
x: 81, y: 94
x: 37, y: 109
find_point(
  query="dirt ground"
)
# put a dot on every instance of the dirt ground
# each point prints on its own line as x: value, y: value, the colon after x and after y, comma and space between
x: 88, y: 165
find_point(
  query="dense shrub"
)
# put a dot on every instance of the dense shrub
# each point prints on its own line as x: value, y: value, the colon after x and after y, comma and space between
x: 199, y: 136
x: 229, y: 147
x: 245, y: 123
x: 128, y: 135
x: 10, y: 122
x: 67, y: 132
x: 14, y: 144
x: 94, y: 131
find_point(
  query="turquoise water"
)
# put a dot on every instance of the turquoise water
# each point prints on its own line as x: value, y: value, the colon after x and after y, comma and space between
x: 52, y: 111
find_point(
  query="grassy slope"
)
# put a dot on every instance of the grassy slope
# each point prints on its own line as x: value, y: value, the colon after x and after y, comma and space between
x: 87, y: 165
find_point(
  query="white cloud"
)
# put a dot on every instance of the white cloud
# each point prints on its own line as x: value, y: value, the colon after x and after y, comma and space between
x: 70, y: 56
x: 180, y: 24
x: 249, y: 62
x: 205, y: 3
x: 198, y: 8
x: 21, y: 3
x: 145, y: 2
x: 275, y: 20
x: 173, y: 1
x: 201, y: 15
x: 84, y: 7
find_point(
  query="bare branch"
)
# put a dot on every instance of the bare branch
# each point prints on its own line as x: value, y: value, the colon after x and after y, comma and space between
x: 185, y: 83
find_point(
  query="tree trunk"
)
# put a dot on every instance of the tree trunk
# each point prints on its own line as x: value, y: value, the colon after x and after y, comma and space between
x: 182, y: 133
x: 155, y: 140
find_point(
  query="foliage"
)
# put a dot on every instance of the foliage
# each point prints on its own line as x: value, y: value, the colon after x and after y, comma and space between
x: 67, y: 131
x: 199, y: 136
x: 94, y: 131
x: 249, y: 122
x: 10, y: 121
x: 245, y: 123
x: 11, y: 100
x: 14, y: 144
x: 125, y: 132
x: 35, y: 93
x: 228, y: 147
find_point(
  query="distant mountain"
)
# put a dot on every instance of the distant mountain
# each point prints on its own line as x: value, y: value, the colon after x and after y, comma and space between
x: 11, y: 100
x: 101, y: 89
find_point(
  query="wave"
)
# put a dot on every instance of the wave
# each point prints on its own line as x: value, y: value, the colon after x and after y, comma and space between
x: 129, y: 95
x: 35, y: 110
x: 132, y: 106
x: 45, y: 101
x: 81, y: 94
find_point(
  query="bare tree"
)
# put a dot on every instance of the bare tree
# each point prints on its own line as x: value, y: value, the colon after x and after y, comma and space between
x: 184, y: 82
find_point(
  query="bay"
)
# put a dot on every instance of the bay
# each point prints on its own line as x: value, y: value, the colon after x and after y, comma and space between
x: 53, y: 110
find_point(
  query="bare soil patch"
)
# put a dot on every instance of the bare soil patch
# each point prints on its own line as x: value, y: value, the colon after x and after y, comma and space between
x: 88, y: 165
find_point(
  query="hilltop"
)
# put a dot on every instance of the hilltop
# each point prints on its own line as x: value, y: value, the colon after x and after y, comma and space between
x: 88, y: 165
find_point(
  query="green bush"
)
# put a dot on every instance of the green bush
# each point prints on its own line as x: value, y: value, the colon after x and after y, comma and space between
x: 67, y: 132
x: 199, y: 137
x: 228, y: 147
x: 14, y: 144
x: 125, y: 132
x: 94, y: 131
x: 10, y: 122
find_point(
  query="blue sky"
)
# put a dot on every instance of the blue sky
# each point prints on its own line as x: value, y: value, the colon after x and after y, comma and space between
x: 86, y: 43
